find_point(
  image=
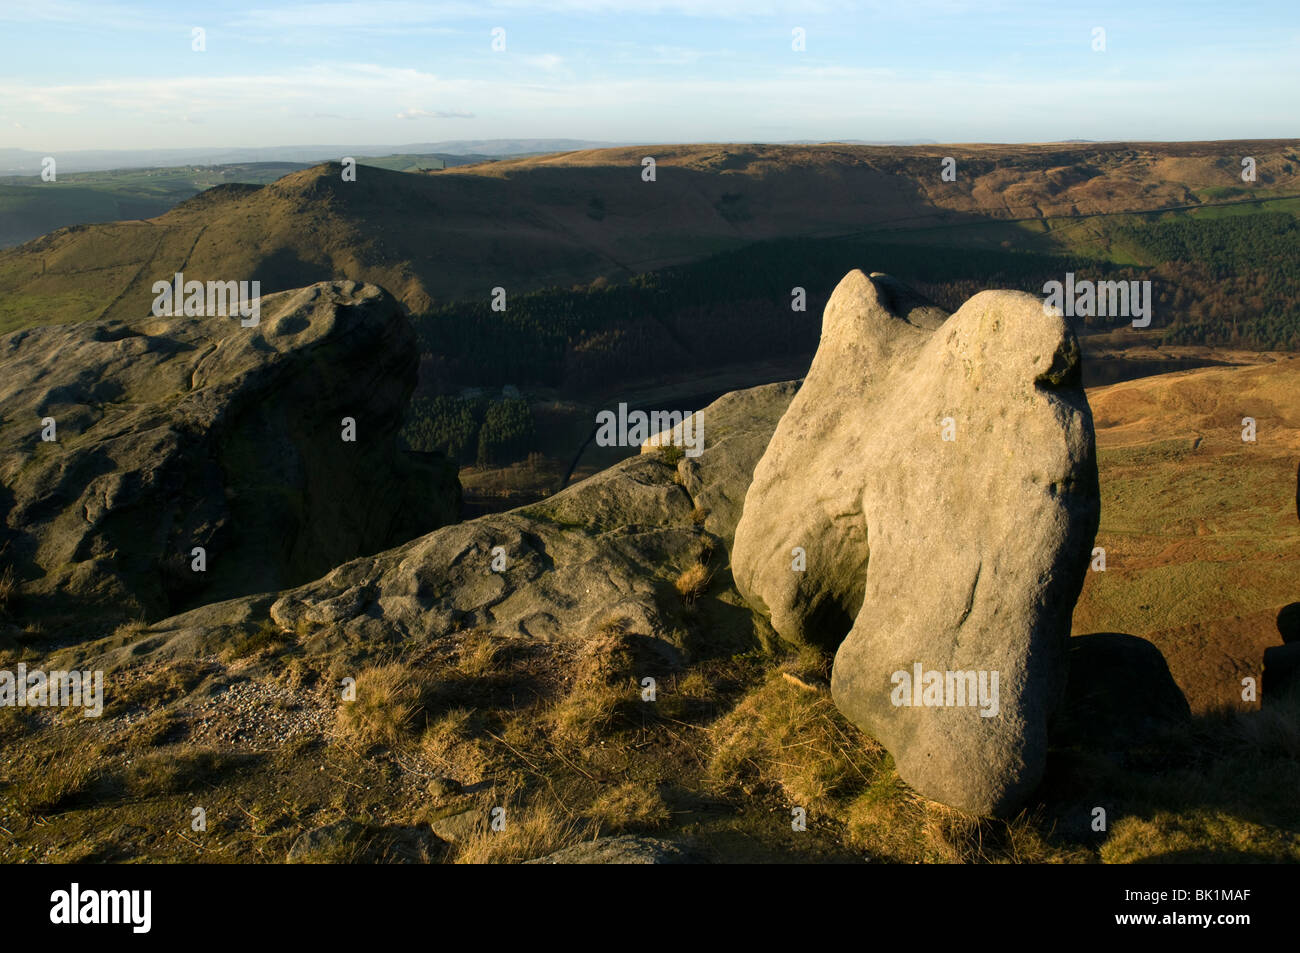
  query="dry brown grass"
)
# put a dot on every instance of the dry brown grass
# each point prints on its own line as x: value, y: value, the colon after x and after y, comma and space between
x: 693, y: 582
x: 530, y: 831
x: 164, y: 772
x: 129, y: 630
x: 58, y: 771
x: 694, y: 684
x: 8, y: 588
x: 629, y: 806
x: 384, y: 712
x: 582, y: 716
x: 607, y: 655
x: 265, y: 636
x: 1271, y: 732
x: 172, y: 681
x: 154, y: 730
x: 783, y: 736
x: 452, y: 747
x: 479, y: 655
x: 1197, y: 836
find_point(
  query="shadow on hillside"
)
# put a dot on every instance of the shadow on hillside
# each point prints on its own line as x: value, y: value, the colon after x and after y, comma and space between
x: 1126, y: 744
x: 1282, y: 662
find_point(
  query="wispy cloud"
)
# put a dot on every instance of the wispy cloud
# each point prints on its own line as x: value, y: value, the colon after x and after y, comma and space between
x: 355, y: 83
x: 546, y: 61
x: 117, y: 72
x: 413, y: 113
x: 386, y: 14
x: 83, y: 12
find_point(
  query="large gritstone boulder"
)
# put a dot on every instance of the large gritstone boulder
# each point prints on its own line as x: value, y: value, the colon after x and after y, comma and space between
x: 930, y: 498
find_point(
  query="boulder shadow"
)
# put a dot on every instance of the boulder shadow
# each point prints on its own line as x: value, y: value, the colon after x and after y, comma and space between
x: 1281, y: 670
x: 1125, y: 742
x: 1119, y: 695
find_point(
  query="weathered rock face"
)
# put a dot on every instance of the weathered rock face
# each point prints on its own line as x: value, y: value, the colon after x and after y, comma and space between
x: 623, y: 849
x: 174, y: 433
x: 941, y: 478
x: 605, y: 548
x: 807, y: 491
x: 608, y: 548
x: 736, y: 430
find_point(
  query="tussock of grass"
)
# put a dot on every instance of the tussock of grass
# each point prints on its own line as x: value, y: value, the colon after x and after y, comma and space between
x: 1271, y: 732
x: 15, y: 724
x: 129, y: 630
x: 384, y: 712
x: 267, y: 635
x: 692, y: 582
x: 695, y: 685
x: 478, y: 655
x: 530, y: 831
x: 160, y: 773
x: 157, y: 729
x: 783, y: 737
x: 8, y: 588
x: 630, y: 806
x: 453, y: 748
x: 585, y: 713
x: 609, y: 655
x: 1198, y: 837
x: 672, y: 453
x: 60, y: 770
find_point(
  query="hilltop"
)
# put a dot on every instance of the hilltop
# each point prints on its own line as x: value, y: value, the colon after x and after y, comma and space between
x: 523, y: 224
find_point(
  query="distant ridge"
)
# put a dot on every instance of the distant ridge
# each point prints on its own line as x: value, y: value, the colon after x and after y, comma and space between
x: 559, y: 219
x: 28, y: 162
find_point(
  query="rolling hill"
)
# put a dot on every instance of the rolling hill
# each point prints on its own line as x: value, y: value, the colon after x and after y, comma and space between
x: 527, y: 223
x: 1198, y: 524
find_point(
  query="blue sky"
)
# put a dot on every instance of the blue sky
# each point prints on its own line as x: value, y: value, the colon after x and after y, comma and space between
x: 77, y: 74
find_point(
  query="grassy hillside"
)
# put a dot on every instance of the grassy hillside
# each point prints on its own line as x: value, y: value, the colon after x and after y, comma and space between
x: 1199, y: 526
x: 524, y: 224
x: 30, y: 207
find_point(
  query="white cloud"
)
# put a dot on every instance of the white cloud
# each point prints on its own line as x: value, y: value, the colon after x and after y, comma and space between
x: 330, y: 85
x: 413, y: 113
x: 388, y: 14
x: 546, y: 61
x: 78, y: 12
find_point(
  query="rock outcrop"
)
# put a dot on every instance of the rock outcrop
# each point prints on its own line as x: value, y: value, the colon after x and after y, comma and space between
x: 623, y: 849
x: 930, y: 497
x: 937, y: 473
x: 176, y: 433
x: 605, y: 550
